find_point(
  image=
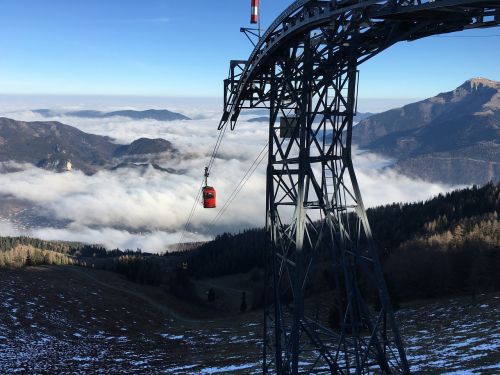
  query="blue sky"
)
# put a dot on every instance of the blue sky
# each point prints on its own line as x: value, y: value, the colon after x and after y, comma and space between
x: 182, y: 49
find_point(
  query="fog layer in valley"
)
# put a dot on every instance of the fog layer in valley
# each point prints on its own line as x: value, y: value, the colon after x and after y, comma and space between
x: 147, y: 208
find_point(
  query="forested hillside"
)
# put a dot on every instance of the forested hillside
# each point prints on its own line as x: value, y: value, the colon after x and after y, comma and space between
x: 448, y: 244
x: 25, y: 255
x: 21, y: 251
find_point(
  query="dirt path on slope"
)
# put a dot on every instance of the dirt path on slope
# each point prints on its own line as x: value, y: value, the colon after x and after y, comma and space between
x: 211, y: 284
x: 164, y: 309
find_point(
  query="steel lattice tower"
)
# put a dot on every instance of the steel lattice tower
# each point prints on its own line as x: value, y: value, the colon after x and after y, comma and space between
x: 327, y: 306
x: 317, y: 221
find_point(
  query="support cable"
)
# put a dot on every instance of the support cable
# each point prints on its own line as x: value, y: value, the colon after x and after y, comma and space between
x: 466, y: 36
x: 248, y: 174
x: 191, y: 213
x: 200, y: 189
x: 211, y: 164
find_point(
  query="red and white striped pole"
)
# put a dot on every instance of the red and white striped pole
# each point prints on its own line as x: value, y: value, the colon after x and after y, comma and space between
x: 254, y: 18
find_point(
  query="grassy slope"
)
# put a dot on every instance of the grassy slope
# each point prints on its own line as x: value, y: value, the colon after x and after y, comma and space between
x: 58, y: 319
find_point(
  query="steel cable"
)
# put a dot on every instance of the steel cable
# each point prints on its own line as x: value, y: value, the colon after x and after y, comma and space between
x: 200, y: 189
x: 248, y: 174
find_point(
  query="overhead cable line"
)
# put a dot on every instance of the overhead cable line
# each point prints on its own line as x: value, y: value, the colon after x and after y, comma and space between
x: 467, y: 36
x: 248, y: 174
x: 191, y: 213
x: 200, y: 189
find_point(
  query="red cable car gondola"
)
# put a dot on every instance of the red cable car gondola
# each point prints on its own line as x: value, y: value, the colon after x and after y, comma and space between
x: 209, y: 197
x: 209, y: 194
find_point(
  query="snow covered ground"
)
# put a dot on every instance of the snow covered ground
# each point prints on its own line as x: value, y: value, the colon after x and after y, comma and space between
x: 457, y: 336
x: 54, y: 320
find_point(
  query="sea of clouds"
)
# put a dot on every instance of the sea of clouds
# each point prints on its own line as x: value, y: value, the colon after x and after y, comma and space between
x: 147, y: 208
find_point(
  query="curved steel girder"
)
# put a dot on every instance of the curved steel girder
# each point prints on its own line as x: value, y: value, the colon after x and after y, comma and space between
x: 370, y: 25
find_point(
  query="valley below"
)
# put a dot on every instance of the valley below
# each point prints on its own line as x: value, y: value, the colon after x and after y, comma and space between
x: 68, y: 319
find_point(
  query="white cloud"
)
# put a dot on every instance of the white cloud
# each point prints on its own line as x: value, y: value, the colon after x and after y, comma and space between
x: 113, y: 238
x: 147, y: 208
x: 383, y: 187
x: 7, y: 229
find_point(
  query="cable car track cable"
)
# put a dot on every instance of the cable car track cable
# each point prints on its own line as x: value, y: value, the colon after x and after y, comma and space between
x: 191, y: 213
x: 200, y: 189
x: 248, y: 174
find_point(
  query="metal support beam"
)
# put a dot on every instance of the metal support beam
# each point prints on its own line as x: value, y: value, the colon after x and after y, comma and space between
x: 317, y: 224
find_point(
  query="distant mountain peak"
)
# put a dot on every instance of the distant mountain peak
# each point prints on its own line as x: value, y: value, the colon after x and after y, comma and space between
x: 490, y: 87
x: 475, y: 83
x: 143, y: 146
x: 476, y: 88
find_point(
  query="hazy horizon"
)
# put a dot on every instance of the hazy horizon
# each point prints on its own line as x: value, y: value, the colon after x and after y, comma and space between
x: 15, y: 102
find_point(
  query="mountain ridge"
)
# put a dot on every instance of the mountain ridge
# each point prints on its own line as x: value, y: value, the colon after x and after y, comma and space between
x: 453, y: 137
x: 52, y: 144
x: 149, y: 114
